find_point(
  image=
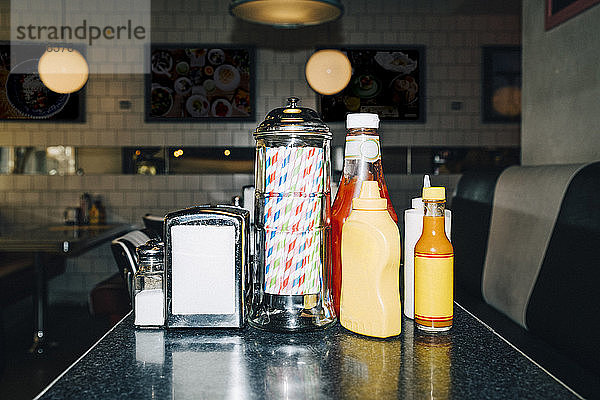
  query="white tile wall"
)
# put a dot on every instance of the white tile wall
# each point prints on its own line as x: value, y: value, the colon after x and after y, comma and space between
x: 453, y: 57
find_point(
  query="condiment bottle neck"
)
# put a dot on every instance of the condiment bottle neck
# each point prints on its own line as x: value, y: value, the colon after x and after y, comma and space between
x: 434, y: 208
x: 355, y: 161
x: 361, y: 131
x: 434, y: 240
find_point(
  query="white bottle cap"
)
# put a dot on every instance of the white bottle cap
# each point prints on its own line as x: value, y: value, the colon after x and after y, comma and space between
x: 417, y: 203
x: 362, y: 120
x: 426, y: 181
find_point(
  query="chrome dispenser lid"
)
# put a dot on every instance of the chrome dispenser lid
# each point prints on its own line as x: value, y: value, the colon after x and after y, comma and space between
x: 152, y: 249
x: 293, y: 120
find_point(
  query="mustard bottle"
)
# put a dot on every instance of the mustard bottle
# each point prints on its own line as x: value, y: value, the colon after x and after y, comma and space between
x: 370, y: 295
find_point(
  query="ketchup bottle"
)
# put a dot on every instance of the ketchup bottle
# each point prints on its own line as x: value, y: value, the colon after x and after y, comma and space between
x: 362, y: 162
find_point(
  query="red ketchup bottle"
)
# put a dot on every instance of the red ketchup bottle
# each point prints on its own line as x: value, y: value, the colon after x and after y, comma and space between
x: 362, y: 162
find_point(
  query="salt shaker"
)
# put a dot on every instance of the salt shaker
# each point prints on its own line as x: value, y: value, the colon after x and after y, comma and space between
x: 149, y: 298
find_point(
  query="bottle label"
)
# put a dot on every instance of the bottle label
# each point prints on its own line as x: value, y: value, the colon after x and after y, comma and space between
x: 363, y: 147
x: 434, y: 281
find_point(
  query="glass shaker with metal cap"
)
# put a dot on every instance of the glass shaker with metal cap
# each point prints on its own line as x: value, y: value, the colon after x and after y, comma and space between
x: 148, y: 289
x: 292, y: 211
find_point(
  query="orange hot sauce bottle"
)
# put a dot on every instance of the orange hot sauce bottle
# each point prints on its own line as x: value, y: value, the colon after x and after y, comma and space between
x: 362, y: 162
x: 434, y: 267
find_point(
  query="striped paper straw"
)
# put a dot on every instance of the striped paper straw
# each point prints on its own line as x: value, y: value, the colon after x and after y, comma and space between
x: 293, y: 219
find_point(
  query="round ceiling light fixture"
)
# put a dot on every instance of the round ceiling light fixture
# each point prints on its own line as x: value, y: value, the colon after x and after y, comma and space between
x: 287, y: 13
x: 63, y: 71
x: 328, y: 71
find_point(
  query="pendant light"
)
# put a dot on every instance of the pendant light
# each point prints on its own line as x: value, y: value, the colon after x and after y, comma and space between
x: 63, y: 71
x: 328, y: 71
x: 287, y: 13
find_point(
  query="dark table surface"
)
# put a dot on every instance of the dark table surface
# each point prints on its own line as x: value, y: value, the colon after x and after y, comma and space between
x: 68, y: 240
x: 469, y: 362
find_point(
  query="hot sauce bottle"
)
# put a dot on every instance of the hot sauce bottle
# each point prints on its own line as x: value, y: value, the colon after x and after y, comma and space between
x: 434, y: 267
x: 362, y: 162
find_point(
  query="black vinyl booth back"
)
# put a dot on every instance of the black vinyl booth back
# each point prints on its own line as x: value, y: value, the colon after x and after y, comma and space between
x: 472, y: 212
x: 564, y: 307
x: 562, y: 313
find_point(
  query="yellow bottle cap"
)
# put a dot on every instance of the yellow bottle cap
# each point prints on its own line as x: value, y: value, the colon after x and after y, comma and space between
x: 369, y: 198
x: 434, y: 193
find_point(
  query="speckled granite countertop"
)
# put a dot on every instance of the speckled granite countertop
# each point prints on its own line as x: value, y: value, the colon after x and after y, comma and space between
x: 469, y: 362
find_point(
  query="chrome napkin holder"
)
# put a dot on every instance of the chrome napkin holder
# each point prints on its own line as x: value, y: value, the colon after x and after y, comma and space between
x: 207, y: 267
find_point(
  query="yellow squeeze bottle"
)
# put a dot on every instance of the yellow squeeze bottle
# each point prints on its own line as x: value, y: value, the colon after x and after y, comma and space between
x: 370, y: 295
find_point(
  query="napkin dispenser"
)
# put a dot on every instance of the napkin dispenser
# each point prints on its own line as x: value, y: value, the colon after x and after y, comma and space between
x: 206, y: 267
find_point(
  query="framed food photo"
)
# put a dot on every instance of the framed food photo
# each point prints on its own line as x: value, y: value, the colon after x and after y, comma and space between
x: 23, y: 96
x: 501, y: 91
x: 198, y: 82
x: 388, y: 81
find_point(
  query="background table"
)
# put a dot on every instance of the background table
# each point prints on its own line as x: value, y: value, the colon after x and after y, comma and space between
x: 65, y: 240
x: 470, y: 361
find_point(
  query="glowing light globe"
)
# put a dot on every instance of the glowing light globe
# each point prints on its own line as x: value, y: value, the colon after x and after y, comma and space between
x: 328, y: 71
x: 63, y: 71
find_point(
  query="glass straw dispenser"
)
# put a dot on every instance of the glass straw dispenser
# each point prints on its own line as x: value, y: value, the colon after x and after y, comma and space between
x: 292, y: 212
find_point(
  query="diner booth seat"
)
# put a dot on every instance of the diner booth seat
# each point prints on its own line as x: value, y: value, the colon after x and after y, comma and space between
x: 547, y: 309
x: 472, y: 198
x: 154, y: 223
x: 111, y: 298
